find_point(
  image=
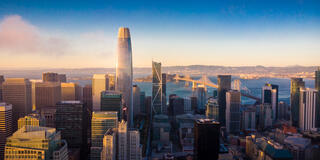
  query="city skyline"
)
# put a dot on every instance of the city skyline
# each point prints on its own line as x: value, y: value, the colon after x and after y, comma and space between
x: 231, y: 33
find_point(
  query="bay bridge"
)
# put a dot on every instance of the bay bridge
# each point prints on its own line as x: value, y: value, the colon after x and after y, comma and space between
x: 204, y: 80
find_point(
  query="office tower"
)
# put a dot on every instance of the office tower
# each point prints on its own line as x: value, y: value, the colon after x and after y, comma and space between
x: 122, y: 141
x: 233, y: 103
x: 212, y: 109
x: 1, y: 81
x: 176, y: 105
x: 201, y: 92
x: 194, y: 103
x: 32, y: 119
x: 112, y: 82
x: 136, y: 100
x: 296, y: 85
x: 41, y: 143
x: 283, y: 111
x: 134, y: 149
x: 187, y: 105
x: 206, y: 139
x: 124, y: 71
x: 224, y: 83
x: 158, y: 92
x: 265, y: 116
x: 270, y: 94
x: 112, y: 101
x: 72, y: 121
x: 248, y: 119
x: 47, y: 94
x: 109, y: 145
x: 164, y: 93
x: 100, y: 123
x: 148, y: 104
x: 50, y: 77
x: 33, y: 92
x: 317, y: 79
x: 49, y: 115
x: 70, y: 92
x: 143, y: 102
x: 309, y: 109
x: 62, y: 78
x: 5, y: 125
x: 161, y: 129
x: 100, y: 82
x: 17, y: 91
x: 87, y: 96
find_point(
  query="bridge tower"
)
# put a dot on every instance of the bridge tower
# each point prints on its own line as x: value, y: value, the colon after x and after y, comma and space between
x: 236, y: 85
x: 187, y: 83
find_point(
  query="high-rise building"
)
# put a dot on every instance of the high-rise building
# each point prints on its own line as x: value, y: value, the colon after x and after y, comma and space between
x: 34, y: 142
x: 176, y: 105
x: 201, y: 92
x: 109, y: 145
x: 206, y: 139
x: 143, y: 102
x: 50, y: 77
x: 33, y: 92
x: 194, y: 103
x: 187, y: 105
x: 62, y: 78
x: 17, y: 91
x: 100, y: 123
x: 1, y: 81
x: 134, y: 148
x: 270, y: 95
x: 212, y: 109
x: 164, y: 93
x: 248, y: 122
x: 32, y: 119
x: 87, y: 96
x: 233, y: 104
x: 122, y: 141
x: 124, y: 71
x: 157, y: 90
x: 136, y: 100
x: 70, y: 92
x: 111, y: 101
x: 296, y: 85
x: 112, y: 82
x: 224, y: 83
x: 100, y: 82
x: 47, y: 94
x: 72, y: 121
x: 49, y: 115
x: 309, y: 109
x: 283, y: 111
x: 317, y: 79
x: 5, y: 125
x: 265, y: 116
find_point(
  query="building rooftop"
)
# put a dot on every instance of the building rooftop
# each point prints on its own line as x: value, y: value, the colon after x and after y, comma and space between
x: 70, y: 102
x: 207, y: 121
x: 33, y: 132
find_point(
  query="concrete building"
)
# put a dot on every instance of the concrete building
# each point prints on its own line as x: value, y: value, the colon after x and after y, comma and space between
x: 33, y: 92
x: 32, y: 119
x: 111, y: 101
x: 134, y: 148
x: 296, y: 85
x: 270, y: 95
x: 49, y: 116
x: 161, y: 130
x: 5, y: 125
x: 17, y: 91
x: 109, y: 145
x: 122, y: 141
x: 72, y: 121
x: 1, y: 81
x: 124, y: 70
x: 71, y: 92
x: 265, y: 116
x: 309, y: 109
x: 100, y: 82
x: 248, y: 120
x: 47, y: 94
x: 87, y: 96
x: 101, y: 122
x: 39, y: 143
x: 212, y: 109
x: 297, y: 146
x: 224, y: 83
x: 201, y: 93
x: 233, y: 104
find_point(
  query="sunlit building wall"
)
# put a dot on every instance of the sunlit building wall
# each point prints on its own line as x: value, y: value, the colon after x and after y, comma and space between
x: 100, y: 82
x: 109, y: 145
x: 31, y: 120
x: 5, y: 125
x: 47, y: 94
x: 70, y: 91
x: 296, y: 85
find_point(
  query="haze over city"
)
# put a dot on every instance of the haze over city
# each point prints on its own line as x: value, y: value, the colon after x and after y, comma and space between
x: 73, y: 34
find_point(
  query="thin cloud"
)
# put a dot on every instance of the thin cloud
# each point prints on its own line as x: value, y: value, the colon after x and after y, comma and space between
x: 17, y: 36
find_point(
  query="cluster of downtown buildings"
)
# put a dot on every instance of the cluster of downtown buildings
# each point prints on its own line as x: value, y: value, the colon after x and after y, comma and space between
x: 52, y: 119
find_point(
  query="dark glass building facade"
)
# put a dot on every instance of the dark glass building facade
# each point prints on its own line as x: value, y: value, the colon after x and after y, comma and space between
x: 296, y: 85
x: 224, y: 83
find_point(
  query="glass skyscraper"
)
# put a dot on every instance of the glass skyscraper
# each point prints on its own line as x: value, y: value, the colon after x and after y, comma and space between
x: 124, y: 70
x: 224, y: 83
x: 296, y: 85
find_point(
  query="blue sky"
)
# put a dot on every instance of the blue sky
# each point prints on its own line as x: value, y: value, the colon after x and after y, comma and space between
x: 229, y: 32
